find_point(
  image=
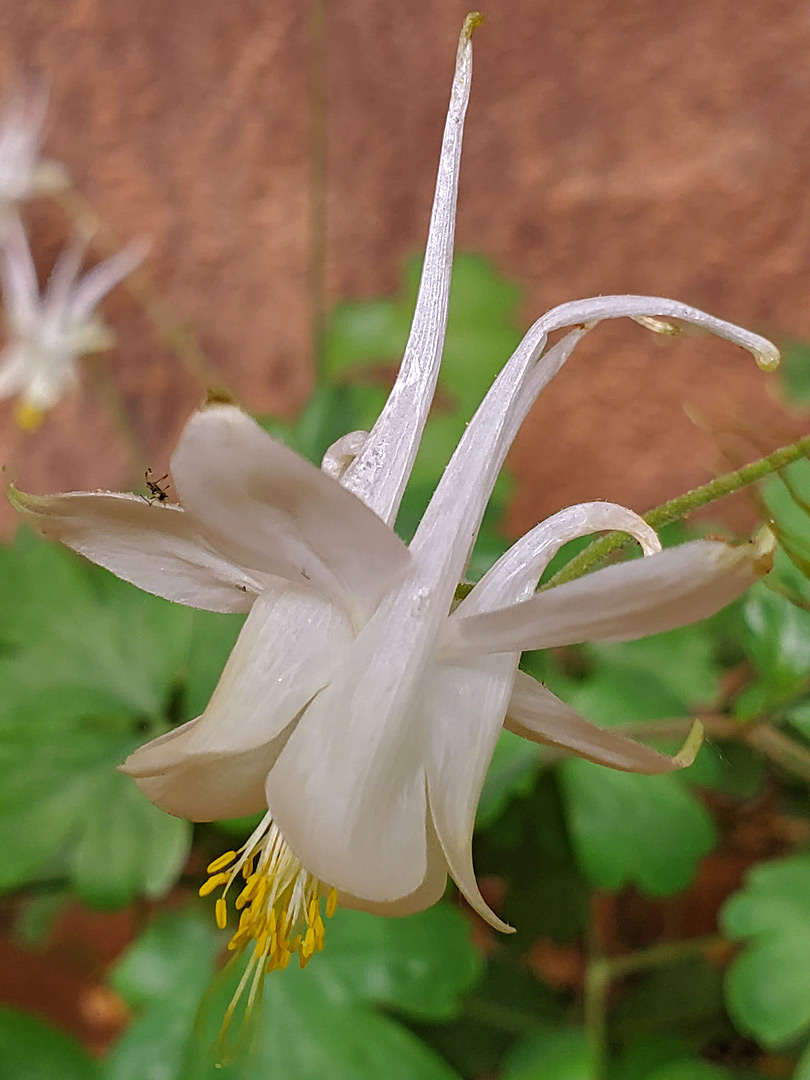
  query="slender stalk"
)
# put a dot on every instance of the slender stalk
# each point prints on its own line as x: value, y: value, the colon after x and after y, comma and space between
x: 318, y: 149
x: 684, y: 505
x: 597, y: 987
x: 174, y: 333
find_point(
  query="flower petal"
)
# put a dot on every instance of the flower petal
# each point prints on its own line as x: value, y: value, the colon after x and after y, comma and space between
x: 18, y: 276
x: 460, y: 752
x: 277, y: 513
x: 537, y: 714
x: 156, y: 547
x: 514, y: 576
x: 465, y: 706
x: 424, y: 895
x: 380, y: 471
x: 619, y: 603
x: 290, y: 645
x: 348, y: 790
x: 91, y: 289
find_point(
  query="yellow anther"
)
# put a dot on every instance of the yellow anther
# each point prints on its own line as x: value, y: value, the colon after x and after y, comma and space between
x: 247, y: 893
x: 221, y: 862
x: 331, y: 903
x: 221, y: 910
x: 261, y: 892
x: 213, y: 883
x: 303, y: 959
x: 295, y: 944
x: 272, y: 921
x: 309, y: 942
x: 272, y: 964
x: 261, y: 943
x: 247, y: 868
x: 284, y: 959
x: 313, y: 909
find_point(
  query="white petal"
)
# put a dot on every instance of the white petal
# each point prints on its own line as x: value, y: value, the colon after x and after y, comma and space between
x: 156, y: 547
x: 19, y: 277
x: 63, y: 276
x: 380, y: 472
x: 279, y: 514
x: 455, y: 511
x: 424, y: 895
x: 465, y: 706
x: 96, y: 283
x: 348, y: 790
x: 619, y: 603
x: 210, y: 787
x: 290, y: 645
x: 537, y: 714
x: 514, y: 576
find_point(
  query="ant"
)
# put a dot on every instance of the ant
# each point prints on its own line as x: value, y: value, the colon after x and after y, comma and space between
x: 156, y: 492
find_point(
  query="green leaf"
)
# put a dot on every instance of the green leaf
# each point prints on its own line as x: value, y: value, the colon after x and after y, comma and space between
x: 644, y: 1055
x: 66, y: 811
x: 318, y: 1022
x: 512, y: 773
x: 91, y: 667
x: 212, y: 638
x: 777, y: 639
x: 30, y: 1049
x: 391, y: 962
x: 551, y: 1055
x: 767, y: 988
x: 644, y: 830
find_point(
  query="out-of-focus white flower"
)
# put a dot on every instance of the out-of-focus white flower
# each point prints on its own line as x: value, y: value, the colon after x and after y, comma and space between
x: 359, y: 708
x: 48, y: 333
x: 24, y: 173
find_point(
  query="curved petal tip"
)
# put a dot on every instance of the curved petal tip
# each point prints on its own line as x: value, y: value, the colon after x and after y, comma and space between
x: 471, y: 22
x: 688, y: 752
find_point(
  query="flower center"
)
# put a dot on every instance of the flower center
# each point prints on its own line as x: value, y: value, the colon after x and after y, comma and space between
x: 280, y: 901
x: 279, y: 905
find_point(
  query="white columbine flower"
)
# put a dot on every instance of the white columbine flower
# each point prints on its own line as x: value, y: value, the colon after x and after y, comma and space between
x: 23, y: 171
x: 48, y: 333
x: 358, y: 708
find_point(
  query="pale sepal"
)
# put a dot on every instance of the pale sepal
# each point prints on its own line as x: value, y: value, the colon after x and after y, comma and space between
x: 157, y: 547
x: 538, y: 715
x: 271, y: 510
x: 619, y: 603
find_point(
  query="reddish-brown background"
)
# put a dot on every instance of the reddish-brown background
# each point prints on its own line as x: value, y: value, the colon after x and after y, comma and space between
x: 612, y: 145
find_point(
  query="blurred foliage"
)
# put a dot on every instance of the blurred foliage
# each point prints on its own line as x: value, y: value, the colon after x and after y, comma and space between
x: 602, y: 873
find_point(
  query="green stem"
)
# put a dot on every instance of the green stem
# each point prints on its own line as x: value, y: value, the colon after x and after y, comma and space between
x: 683, y: 505
x: 597, y: 986
x: 316, y: 254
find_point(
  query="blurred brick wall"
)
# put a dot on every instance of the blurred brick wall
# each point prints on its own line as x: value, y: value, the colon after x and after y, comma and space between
x: 612, y: 145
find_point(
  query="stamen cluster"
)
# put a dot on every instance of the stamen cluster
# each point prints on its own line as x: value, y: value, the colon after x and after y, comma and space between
x: 280, y: 902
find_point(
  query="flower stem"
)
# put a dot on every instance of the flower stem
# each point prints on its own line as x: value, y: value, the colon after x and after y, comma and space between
x: 684, y: 505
